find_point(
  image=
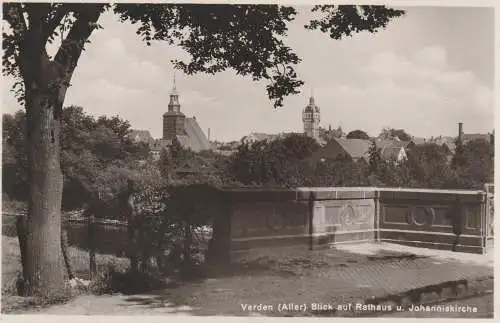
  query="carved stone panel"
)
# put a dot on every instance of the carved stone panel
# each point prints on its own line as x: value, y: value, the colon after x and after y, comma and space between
x: 345, y: 215
x: 435, y: 218
x: 423, y: 216
x: 268, y: 218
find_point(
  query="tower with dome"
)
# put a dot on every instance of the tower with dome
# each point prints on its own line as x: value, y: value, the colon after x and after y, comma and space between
x: 311, y: 118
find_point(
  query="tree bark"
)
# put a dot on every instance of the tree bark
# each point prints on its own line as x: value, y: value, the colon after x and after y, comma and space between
x: 45, y: 83
x: 188, y: 238
x: 44, y: 267
x: 21, y: 236
x: 92, y: 246
x: 128, y: 205
x: 64, y: 249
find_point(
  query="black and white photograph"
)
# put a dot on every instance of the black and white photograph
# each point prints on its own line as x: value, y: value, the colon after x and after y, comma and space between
x: 272, y: 159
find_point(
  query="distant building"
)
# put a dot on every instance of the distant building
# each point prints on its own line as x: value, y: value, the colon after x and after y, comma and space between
x: 392, y: 149
x: 358, y: 150
x: 137, y: 136
x: 256, y: 136
x: 187, y: 130
x: 311, y: 119
x: 177, y: 125
x: 226, y: 148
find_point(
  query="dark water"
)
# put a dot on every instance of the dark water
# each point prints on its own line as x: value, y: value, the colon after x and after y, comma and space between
x: 110, y: 239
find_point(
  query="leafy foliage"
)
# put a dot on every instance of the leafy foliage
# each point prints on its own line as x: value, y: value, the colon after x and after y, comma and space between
x: 391, y: 133
x: 95, y: 153
x: 429, y: 166
x: 479, y: 166
x: 340, y: 171
x: 329, y: 134
x: 14, y: 161
x: 246, y: 38
x: 344, y: 21
x: 375, y: 157
x: 358, y: 134
x: 269, y: 163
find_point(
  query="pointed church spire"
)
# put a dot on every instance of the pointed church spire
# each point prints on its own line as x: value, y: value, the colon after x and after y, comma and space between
x: 311, y: 99
x: 174, y: 104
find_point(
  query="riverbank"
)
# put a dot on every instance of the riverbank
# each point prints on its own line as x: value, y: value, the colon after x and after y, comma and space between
x: 11, y: 268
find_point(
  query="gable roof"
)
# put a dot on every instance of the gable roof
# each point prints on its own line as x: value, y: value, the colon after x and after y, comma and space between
x: 356, y: 148
x: 140, y: 136
x: 194, y: 137
x: 390, y: 148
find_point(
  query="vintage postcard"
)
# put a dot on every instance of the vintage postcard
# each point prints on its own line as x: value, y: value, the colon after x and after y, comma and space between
x: 248, y: 159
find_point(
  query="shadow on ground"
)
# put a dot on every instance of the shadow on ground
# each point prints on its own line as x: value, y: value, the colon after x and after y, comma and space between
x: 234, y: 282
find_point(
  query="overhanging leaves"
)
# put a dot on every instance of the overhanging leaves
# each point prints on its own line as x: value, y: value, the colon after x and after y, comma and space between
x: 245, y: 38
x: 344, y: 21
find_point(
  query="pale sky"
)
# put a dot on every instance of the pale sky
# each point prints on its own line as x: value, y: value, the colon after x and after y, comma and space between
x: 425, y: 73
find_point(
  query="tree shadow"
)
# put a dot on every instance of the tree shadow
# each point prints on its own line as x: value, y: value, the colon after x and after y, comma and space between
x: 189, y: 297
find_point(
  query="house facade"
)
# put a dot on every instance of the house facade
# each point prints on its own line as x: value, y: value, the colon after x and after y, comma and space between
x: 358, y: 150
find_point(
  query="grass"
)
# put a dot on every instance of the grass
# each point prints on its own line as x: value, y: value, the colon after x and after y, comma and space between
x: 11, y: 269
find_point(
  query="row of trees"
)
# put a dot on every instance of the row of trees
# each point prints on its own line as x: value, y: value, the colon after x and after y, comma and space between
x: 386, y: 133
x: 430, y: 165
x: 96, y: 158
x: 98, y: 162
x: 111, y: 177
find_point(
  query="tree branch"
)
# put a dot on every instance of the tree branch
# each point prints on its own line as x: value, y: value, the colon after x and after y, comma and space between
x: 36, y: 13
x: 13, y: 14
x: 72, y: 46
x: 53, y: 22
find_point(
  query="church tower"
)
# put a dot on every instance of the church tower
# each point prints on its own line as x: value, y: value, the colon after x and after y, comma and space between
x: 173, y: 119
x: 310, y: 118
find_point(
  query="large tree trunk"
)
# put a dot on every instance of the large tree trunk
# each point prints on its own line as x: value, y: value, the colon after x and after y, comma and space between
x: 92, y: 246
x: 65, y: 251
x: 21, y: 235
x: 128, y: 207
x: 46, y: 80
x: 44, y: 266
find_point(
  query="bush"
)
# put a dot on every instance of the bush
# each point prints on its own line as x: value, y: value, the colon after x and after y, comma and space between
x: 114, y: 280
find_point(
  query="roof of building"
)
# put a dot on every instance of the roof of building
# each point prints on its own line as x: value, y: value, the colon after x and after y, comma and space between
x: 418, y: 141
x: 257, y: 136
x: 356, y: 148
x: 311, y: 107
x: 390, y: 148
x: 140, y: 135
x: 194, y: 137
x: 159, y: 144
x: 474, y: 136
